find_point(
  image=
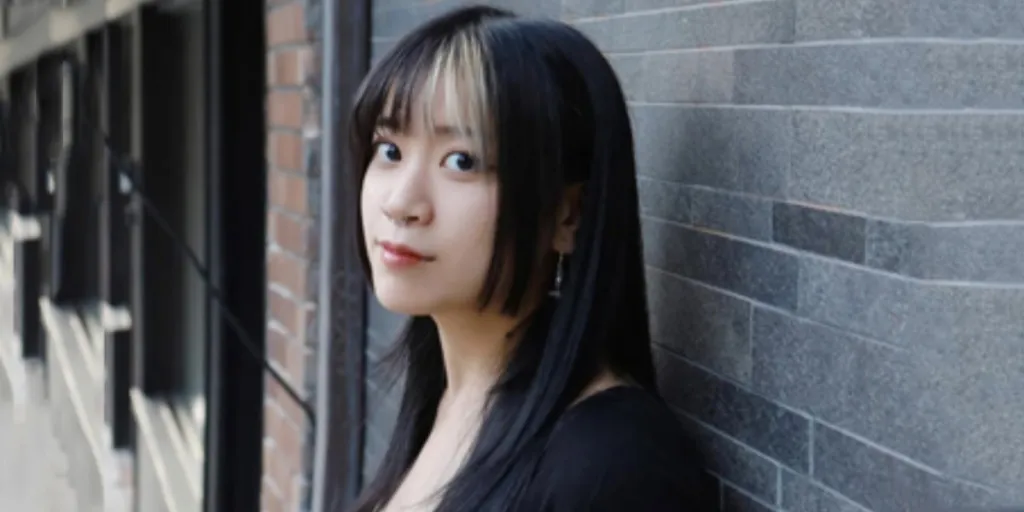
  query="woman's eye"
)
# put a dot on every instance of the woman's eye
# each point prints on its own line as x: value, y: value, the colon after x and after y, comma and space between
x: 459, y: 162
x: 388, y: 151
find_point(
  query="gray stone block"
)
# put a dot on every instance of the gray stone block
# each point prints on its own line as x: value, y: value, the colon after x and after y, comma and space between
x: 385, y: 373
x: 910, y: 167
x: 958, y: 19
x: 801, y: 494
x: 769, y: 21
x: 762, y: 424
x: 892, y: 75
x: 947, y: 400
x: 528, y: 8
x: 382, y: 322
x: 863, y: 302
x: 737, y: 214
x: 885, y: 483
x: 846, y: 381
x: 734, y: 462
x: 943, y: 319
x: 382, y: 400
x: 728, y: 149
x: 895, y: 246
x: 977, y: 394
x: 975, y: 253
x: 980, y: 253
x: 382, y: 328
x: 743, y: 215
x: 377, y: 352
x: 397, y: 21
x: 690, y: 77
x: 644, y: 5
x: 630, y: 71
x: 663, y: 245
x: 386, y: 5
x: 374, y: 448
x: 828, y: 233
x: 734, y: 500
x: 394, y: 19
x: 701, y: 324
x: 378, y: 48
x: 382, y: 407
x: 663, y: 199
x: 572, y: 9
x: 754, y: 271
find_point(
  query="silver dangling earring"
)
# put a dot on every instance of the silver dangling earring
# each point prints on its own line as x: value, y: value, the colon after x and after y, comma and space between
x: 556, y: 291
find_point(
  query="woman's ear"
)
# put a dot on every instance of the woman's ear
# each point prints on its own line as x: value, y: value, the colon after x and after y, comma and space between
x: 567, y: 219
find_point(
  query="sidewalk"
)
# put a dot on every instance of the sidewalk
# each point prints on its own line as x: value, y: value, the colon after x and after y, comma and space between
x: 32, y: 466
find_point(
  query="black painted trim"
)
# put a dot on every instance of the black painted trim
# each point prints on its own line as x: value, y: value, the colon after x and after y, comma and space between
x: 26, y: 254
x: 347, y: 411
x: 236, y: 73
x: 115, y: 279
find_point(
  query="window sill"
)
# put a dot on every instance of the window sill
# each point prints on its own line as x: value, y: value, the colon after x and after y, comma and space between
x: 76, y: 385
x: 178, y: 473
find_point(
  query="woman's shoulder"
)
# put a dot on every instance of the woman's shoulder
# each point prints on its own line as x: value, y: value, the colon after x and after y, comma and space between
x: 622, y: 447
x: 618, y: 410
x: 623, y: 425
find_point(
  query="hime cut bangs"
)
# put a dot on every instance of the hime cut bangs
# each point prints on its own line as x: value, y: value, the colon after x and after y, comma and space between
x: 413, y: 82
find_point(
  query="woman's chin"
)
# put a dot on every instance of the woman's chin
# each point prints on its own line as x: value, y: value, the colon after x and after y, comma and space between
x: 403, y: 303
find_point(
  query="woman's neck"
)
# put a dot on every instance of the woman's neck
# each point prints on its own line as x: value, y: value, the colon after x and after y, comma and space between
x: 475, y: 347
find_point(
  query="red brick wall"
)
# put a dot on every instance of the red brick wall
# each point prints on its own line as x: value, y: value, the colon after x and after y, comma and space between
x: 291, y: 248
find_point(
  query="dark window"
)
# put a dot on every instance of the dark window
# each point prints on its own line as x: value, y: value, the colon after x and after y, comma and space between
x: 172, y: 305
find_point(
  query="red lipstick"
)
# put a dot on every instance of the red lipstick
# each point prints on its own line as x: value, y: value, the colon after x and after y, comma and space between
x: 400, y: 256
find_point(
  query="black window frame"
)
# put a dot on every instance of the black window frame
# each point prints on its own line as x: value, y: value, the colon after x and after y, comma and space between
x: 116, y: 120
x: 235, y: 173
x: 27, y: 252
x: 159, y: 267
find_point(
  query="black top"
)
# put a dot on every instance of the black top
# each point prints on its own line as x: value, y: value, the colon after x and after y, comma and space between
x: 621, y: 449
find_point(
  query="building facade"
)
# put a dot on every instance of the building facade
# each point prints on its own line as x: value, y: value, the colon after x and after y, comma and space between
x: 134, y: 180
x: 832, y: 216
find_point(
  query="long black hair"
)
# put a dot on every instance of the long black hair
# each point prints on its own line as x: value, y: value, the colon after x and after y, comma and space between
x: 555, y: 116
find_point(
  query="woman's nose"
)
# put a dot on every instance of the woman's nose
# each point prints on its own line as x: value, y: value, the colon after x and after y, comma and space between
x: 408, y: 201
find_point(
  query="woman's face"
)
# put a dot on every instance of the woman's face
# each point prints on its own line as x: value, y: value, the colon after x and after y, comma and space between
x: 429, y: 205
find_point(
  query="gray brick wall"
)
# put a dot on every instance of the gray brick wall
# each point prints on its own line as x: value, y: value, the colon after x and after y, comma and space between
x: 833, y: 200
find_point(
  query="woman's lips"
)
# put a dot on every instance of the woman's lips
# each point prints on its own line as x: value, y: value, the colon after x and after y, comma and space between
x: 401, y: 256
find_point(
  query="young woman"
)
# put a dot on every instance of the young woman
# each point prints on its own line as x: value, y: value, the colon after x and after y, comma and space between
x: 499, y: 210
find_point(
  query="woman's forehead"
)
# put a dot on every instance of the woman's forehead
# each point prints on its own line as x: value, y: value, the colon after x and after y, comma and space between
x: 451, y: 108
x: 438, y: 109
x: 445, y: 91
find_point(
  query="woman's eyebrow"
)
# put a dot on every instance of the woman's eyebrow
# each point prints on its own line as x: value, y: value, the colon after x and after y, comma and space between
x: 392, y: 124
x: 445, y: 129
x: 387, y: 123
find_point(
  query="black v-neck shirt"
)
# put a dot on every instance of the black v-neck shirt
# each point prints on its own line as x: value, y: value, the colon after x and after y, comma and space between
x: 621, y: 449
